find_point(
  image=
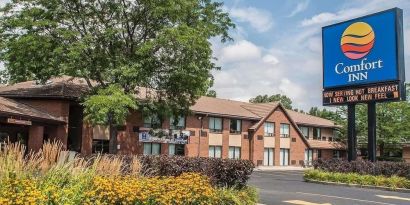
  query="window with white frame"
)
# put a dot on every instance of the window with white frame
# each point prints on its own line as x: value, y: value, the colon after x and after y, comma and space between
x: 284, y: 130
x: 235, y: 126
x: 316, y: 134
x: 176, y: 149
x: 269, y: 128
x: 152, y: 121
x: 152, y: 148
x: 305, y: 131
x: 215, y: 124
x: 336, y: 154
x: 215, y: 151
x: 234, y: 152
x: 177, y: 123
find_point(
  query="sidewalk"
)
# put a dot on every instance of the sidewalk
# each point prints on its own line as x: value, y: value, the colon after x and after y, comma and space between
x: 280, y: 168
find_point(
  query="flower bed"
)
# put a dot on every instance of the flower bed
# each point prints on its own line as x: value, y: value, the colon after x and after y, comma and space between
x: 392, y: 182
x: 52, y: 176
x: 363, y: 167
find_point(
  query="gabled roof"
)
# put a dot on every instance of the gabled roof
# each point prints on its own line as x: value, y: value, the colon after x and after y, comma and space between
x: 305, y: 119
x: 317, y: 144
x: 58, y: 87
x: 12, y: 108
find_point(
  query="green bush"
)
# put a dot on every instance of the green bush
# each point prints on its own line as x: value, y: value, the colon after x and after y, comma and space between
x: 392, y: 182
x: 232, y: 196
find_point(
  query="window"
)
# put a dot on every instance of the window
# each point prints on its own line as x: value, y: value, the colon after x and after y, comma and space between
x: 152, y: 122
x: 100, y: 146
x: 268, y: 159
x: 308, y: 157
x: 319, y: 153
x: 235, y: 126
x: 305, y: 131
x: 152, y: 148
x: 284, y: 130
x: 215, y: 124
x: 180, y: 125
x: 284, y: 157
x: 215, y: 151
x: 336, y: 154
x: 176, y: 149
x: 330, y: 139
x: 316, y: 134
x: 234, y: 152
x: 269, y: 129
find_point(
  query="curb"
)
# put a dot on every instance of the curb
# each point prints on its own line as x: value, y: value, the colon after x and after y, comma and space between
x: 403, y: 190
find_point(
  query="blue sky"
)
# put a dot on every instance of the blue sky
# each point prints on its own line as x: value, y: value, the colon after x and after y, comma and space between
x: 277, y: 46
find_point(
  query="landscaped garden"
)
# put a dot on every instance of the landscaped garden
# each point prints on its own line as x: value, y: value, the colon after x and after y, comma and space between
x: 391, y: 175
x: 56, y: 176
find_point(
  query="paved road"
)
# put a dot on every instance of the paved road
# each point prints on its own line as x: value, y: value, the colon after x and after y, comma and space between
x: 288, y: 187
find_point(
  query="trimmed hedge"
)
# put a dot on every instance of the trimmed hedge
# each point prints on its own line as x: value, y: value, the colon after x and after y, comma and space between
x: 221, y: 172
x: 384, y: 168
x: 392, y: 182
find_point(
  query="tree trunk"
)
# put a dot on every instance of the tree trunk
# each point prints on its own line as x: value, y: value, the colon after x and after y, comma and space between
x: 113, y: 136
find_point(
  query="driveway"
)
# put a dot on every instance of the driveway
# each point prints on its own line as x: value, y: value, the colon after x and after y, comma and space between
x: 287, y: 187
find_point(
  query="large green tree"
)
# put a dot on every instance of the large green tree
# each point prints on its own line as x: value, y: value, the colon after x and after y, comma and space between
x: 157, y: 44
x: 283, y: 99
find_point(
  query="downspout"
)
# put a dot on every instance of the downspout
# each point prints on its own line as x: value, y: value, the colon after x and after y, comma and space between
x: 200, y: 134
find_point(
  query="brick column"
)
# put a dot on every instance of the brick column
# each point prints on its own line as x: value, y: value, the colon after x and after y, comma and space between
x: 35, y: 137
x: 87, y: 139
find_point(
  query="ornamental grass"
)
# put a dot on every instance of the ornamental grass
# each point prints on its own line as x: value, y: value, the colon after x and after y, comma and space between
x: 56, y: 176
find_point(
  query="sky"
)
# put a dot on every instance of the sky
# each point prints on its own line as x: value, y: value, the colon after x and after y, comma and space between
x: 277, y: 46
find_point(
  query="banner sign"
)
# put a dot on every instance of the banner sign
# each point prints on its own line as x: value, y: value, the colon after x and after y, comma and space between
x: 164, y: 136
x: 19, y: 122
x: 376, y: 93
x: 365, y: 51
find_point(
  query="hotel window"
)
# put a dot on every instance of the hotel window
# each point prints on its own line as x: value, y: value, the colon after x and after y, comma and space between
x: 319, y: 153
x: 234, y: 152
x: 215, y: 151
x: 152, y: 148
x: 284, y: 130
x: 215, y: 124
x: 336, y: 154
x: 305, y: 131
x: 316, y: 134
x: 152, y: 122
x: 176, y: 149
x: 308, y: 156
x: 284, y: 157
x: 269, y: 129
x: 180, y: 125
x: 101, y: 146
x: 268, y: 157
x: 235, y: 126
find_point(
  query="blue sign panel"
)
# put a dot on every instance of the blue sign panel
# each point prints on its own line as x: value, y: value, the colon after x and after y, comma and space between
x: 361, y: 51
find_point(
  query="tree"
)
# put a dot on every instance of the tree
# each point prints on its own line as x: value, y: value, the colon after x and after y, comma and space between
x: 156, y: 44
x: 211, y: 93
x: 283, y: 99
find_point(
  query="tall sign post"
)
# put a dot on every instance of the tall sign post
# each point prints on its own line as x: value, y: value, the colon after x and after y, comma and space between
x: 363, y: 62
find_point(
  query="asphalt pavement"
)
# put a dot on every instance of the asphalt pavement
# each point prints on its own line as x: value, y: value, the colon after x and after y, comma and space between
x: 287, y: 187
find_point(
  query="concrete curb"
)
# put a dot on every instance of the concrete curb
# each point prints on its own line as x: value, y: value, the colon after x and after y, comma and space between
x: 403, y: 190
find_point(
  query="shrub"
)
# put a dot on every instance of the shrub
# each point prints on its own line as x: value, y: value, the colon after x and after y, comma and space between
x: 392, y: 182
x: 222, y: 172
x: 231, y: 196
x: 363, y: 167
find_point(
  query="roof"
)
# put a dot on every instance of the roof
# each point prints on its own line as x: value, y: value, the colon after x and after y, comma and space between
x: 58, y: 87
x: 305, y: 119
x: 12, y: 108
x: 318, y: 144
x: 222, y: 107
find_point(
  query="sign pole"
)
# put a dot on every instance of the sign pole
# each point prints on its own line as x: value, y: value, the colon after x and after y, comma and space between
x: 351, y: 132
x: 371, y: 132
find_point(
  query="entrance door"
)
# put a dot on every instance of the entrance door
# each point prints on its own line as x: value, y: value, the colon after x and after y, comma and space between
x: 284, y: 157
x: 268, y: 159
x: 308, y: 157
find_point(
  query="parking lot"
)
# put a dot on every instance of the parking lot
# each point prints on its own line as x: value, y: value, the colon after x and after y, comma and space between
x: 288, y: 187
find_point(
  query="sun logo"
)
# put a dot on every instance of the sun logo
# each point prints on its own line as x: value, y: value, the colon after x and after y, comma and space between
x: 357, y: 40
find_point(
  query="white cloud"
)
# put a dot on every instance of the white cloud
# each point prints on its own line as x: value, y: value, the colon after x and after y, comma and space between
x: 327, y: 17
x: 260, y: 20
x: 270, y: 59
x: 301, y: 6
x: 240, y: 51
